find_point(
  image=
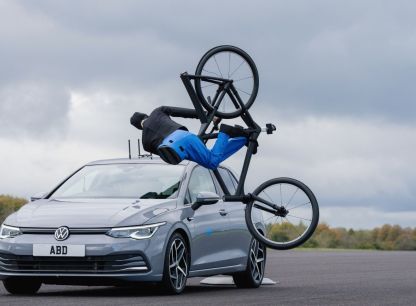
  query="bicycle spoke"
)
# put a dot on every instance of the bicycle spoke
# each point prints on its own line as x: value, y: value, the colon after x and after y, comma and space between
x: 294, y: 226
x: 211, y: 72
x: 248, y: 94
x: 299, y: 218
x: 218, y: 66
x: 298, y: 205
x: 249, y: 77
x: 292, y: 196
x: 268, y: 196
x: 237, y: 68
x: 269, y: 218
x: 277, y: 219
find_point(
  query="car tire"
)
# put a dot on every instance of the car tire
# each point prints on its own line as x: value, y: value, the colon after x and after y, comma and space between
x: 21, y: 286
x: 176, y: 265
x: 252, y: 276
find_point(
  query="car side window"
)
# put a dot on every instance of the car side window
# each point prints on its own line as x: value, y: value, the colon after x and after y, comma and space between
x: 200, y: 180
x: 235, y: 182
x: 188, y: 197
x: 228, y: 180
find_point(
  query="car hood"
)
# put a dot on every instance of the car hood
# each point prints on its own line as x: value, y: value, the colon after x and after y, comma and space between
x: 89, y: 212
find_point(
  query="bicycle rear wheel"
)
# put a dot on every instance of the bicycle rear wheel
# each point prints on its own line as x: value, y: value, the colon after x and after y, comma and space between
x: 291, y: 221
x: 231, y: 63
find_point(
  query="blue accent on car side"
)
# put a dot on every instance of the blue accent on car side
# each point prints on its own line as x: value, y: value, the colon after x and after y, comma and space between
x: 209, y: 231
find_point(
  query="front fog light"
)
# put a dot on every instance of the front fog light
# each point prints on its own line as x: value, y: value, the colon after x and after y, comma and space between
x: 135, y: 232
x: 9, y: 231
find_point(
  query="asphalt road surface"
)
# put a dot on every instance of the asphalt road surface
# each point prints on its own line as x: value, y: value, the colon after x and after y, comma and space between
x: 304, y: 278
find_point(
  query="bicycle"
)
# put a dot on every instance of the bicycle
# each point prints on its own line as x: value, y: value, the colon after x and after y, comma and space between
x: 270, y: 216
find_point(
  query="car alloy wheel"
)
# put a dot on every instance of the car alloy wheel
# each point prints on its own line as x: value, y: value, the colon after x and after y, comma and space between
x: 257, y: 260
x: 252, y: 276
x: 178, y: 264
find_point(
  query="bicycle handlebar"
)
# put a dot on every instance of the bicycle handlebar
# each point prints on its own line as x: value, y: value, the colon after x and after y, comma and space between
x: 270, y: 128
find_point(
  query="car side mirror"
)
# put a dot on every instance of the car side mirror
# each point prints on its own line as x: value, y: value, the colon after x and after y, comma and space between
x: 205, y: 198
x: 38, y: 196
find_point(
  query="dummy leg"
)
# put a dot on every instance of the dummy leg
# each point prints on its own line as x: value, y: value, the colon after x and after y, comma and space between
x: 184, y: 145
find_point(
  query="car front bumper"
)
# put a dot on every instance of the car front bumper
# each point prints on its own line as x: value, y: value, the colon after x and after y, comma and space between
x: 106, y: 259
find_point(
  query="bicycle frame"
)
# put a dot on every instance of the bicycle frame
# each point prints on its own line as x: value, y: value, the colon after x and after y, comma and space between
x: 206, y: 109
x: 225, y: 87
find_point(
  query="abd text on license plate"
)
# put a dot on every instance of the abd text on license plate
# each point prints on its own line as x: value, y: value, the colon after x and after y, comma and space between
x: 58, y: 250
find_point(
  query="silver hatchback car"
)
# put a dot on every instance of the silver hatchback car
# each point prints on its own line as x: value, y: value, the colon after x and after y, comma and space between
x: 130, y: 220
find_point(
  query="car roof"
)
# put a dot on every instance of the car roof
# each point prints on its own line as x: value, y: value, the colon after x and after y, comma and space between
x: 136, y: 160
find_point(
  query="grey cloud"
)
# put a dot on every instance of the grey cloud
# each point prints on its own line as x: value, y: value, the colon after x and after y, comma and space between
x: 33, y: 110
x: 352, y: 59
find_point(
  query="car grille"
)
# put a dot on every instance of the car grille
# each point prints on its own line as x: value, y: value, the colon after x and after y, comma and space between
x: 123, y: 263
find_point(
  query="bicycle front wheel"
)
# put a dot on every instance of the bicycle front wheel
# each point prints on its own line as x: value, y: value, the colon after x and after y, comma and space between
x: 288, y: 218
x: 231, y: 63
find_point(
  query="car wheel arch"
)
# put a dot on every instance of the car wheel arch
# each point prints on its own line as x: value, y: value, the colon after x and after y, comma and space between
x: 185, y: 236
x: 184, y: 231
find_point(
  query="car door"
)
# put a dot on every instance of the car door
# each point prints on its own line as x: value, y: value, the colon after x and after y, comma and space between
x: 209, y: 244
x: 237, y: 232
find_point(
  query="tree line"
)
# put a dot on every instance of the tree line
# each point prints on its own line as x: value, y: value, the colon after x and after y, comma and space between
x: 9, y: 204
x: 386, y: 237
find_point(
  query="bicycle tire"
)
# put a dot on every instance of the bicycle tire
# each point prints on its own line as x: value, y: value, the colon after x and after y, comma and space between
x: 293, y: 243
x: 199, y: 71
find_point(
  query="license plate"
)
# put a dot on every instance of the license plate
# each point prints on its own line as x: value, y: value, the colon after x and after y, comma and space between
x: 59, y: 250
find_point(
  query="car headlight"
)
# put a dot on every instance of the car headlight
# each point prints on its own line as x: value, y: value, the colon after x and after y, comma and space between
x: 9, y: 231
x: 135, y: 232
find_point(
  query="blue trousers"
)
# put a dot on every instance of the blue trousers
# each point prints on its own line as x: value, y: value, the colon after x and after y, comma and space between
x: 190, y: 147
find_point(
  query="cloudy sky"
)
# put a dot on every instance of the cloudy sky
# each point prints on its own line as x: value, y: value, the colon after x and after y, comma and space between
x: 336, y: 77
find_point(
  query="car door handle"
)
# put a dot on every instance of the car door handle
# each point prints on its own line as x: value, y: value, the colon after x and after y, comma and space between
x: 223, y: 212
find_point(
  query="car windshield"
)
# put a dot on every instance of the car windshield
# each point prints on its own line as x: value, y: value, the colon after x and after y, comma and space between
x: 144, y: 181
